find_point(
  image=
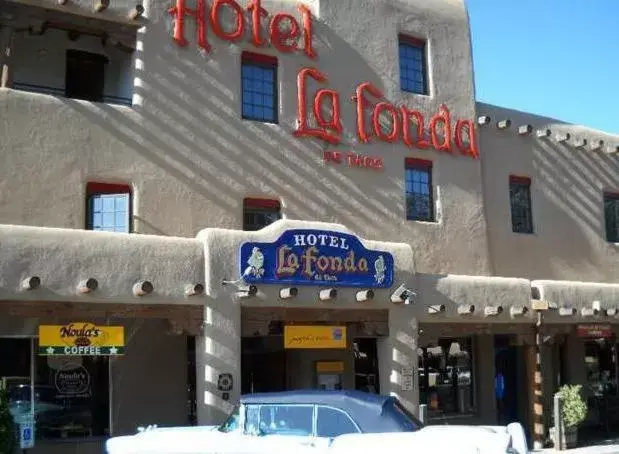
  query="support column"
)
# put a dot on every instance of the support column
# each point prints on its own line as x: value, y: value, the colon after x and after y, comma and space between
x: 218, y: 362
x: 397, y: 358
x: 6, y: 49
x: 534, y: 360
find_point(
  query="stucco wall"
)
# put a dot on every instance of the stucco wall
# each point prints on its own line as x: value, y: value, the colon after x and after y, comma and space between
x: 569, y: 240
x: 191, y: 158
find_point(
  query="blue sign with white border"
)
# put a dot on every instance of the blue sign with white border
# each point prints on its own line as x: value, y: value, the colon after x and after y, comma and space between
x: 26, y: 435
x: 316, y: 257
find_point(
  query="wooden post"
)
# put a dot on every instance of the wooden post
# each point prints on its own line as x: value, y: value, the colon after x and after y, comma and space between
x: 6, y: 45
x: 558, y: 441
x: 538, y: 388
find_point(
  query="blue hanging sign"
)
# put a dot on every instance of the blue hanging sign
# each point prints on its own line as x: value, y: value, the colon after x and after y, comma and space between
x: 316, y: 257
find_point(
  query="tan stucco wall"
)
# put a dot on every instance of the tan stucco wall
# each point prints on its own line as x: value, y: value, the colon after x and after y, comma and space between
x: 569, y: 240
x: 191, y: 158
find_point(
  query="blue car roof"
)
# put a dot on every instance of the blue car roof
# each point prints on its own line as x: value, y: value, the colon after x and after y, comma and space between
x: 371, y: 412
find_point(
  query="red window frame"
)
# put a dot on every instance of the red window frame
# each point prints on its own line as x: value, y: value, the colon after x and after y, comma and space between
x: 97, y: 188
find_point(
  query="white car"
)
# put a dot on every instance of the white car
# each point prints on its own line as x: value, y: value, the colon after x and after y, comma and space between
x: 321, y: 422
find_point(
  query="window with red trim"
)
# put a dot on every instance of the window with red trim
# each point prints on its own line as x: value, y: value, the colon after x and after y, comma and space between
x: 611, y: 216
x: 259, y: 87
x: 419, y: 193
x: 108, y: 207
x: 520, y: 204
x: 413, y: 65
x: 258, y: 213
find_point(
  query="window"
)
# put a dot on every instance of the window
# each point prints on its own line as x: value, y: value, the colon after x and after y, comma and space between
x: 85, y: 75
x: 419, y: 200
x: 72, y: 393
x: 611, y: 217
x: 520, y: 201
x: 258, y: 213
x: 109, y: 207
x: 259, y: 87
x: 280, y: 420
x: 413, y: 73
x: 332, y: 422
x: 445, y: 377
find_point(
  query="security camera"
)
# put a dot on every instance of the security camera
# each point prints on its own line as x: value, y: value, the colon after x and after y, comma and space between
x: 465, y: 309
x: 364, y: 295
x: 402, y: 295
x: 565, y: 311
x: 289, y: 292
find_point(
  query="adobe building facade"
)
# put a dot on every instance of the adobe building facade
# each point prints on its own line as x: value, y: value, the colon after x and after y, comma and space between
x: 234, y: 155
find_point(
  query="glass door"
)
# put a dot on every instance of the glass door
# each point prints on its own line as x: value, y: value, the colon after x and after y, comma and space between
x: 16, y: 372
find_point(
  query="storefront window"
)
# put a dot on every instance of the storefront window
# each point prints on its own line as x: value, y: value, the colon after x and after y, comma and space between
x: 446, y: 378
x: 71, y: 396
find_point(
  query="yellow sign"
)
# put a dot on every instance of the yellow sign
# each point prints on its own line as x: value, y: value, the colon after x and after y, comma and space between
x: 81, y: 339
x: 332, y: 367
x: 314, y: 336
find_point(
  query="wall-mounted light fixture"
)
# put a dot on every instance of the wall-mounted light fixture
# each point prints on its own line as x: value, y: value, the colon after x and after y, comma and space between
x: 466, y: 309
x: 31, y: 283
x: 88, y: 285
x: 142, y: 288
x: 493, y: 310
x: 247, y: 292
x: 589, y: 312
x: 503, y: 124
x: 436, y: 309
x: 327, y: 294
x: 364, y: 295
x: 567, y: 311
x: 194, y: 289
x: 562, y: 136
x: 136, y: 12
x: 541, y: 133
x: 484, y: 120
x: 288, y: 292
x: 61, y: 2
x: 525, y: 130
x: 611, y: 311
x: 596, y: 144
x: 518, y: 310
x: 100, y: 5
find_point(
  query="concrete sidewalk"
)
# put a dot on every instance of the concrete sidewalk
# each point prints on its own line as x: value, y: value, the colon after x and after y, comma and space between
x: 608, y: 447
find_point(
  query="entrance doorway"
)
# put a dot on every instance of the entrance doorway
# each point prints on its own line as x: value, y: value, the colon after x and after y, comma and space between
x: 366, y: 365
x: 510, y: 381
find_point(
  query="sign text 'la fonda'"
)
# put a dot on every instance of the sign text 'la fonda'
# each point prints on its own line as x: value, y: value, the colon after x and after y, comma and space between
x: 316, y: 257
x: 319, y: 110
x: 81, y: 339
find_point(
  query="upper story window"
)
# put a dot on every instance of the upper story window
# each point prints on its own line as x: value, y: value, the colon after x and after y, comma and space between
x: 45, y: 58
x: 259, y: 87
x: 611, y: 216
x: 85, y: 75
x: 413, y: 66
x: 258, y: 213
x: 520, y: 203
x: 419, y: 197
x: 109, y: 207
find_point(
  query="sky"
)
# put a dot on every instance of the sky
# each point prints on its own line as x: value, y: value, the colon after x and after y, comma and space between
x: 557, y: 58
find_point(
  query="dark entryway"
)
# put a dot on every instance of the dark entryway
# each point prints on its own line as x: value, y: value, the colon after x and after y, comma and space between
x: 263, y: 364
x: 366, y: 365
x: 510, y: 388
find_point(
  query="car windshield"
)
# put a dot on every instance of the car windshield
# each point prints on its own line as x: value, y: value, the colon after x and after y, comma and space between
x: 404, y: 417
x: 232, y: 422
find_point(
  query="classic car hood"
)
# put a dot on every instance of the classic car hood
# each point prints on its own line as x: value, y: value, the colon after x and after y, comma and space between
x: 429, y: 440
x: 164, y: 440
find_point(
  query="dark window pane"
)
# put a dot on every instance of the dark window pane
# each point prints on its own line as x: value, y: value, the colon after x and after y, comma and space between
x: 412, y: 68
x: 419, y: 203
x: 331, y: 423
x: 611, y: 217
x: 85, y: 75
x: 446, y: 378
x: 258, y: 82
x: 71, y: 396
x: 520, y: 201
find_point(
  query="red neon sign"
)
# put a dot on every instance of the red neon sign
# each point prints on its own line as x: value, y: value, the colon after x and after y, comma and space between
x: 283, y: 40
x: 406, y: 125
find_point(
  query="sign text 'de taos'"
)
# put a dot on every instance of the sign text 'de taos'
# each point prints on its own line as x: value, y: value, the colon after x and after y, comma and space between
x: 318, y: 106
x: 316, y: 257
x: 81, y: 339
